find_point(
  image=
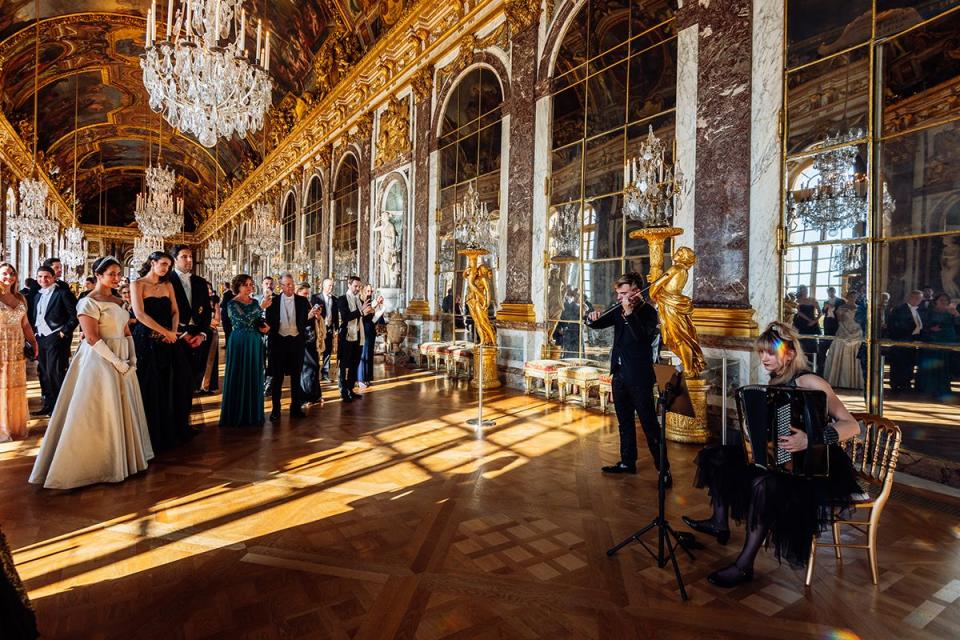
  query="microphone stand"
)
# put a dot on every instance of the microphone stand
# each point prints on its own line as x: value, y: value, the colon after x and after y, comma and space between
x: 667, y: 538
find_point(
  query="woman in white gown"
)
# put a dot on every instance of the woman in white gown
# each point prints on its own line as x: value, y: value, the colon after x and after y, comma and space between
x: 842, y: 368
x: 97, y: 431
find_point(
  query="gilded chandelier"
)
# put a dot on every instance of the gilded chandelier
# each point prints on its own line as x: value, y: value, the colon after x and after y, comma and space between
x: 158, y: 213
x: 263, y: 236
x: 200, y: 76
x: 73, y: 254
x: 214, y: 259
x: 651, y: 185
x: 34, y: 222
x: 473, y: 226
x: 835, y: 196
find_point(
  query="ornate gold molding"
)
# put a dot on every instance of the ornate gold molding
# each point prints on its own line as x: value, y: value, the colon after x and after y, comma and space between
x: 393, y: 141
x: 516, y: 312
x: 521, y: 14
x: 418, y: 307
x: 723, y: 321
x: 422, y: 84
x: 16, y: 155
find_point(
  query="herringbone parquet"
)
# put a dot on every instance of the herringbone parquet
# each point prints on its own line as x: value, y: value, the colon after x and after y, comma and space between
x: 390, y: 518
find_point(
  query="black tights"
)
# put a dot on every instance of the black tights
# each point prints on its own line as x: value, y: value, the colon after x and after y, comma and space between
x: 756, y: 529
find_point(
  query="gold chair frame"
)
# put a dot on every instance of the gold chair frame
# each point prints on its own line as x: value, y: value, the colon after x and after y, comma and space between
x: 874, y: 456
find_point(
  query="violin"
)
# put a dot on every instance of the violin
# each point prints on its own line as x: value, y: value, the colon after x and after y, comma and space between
x: 634, y: 298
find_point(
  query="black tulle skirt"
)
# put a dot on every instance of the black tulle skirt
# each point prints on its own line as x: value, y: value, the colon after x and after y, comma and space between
x: 794, y: 508
x: 17, y: 621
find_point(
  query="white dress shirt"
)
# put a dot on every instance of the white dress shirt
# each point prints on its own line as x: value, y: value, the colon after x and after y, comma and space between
x: 43, y: 329
x: 288, y: 316
x: 185, y: 280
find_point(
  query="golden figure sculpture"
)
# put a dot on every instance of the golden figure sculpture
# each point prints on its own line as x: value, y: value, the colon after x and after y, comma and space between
x: 790, y: 308
x: 477, y: 278
x: 676, y: 311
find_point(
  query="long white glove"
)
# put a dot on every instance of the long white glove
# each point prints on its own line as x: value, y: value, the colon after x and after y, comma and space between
x: 107, y: 354
x: 132, y: 349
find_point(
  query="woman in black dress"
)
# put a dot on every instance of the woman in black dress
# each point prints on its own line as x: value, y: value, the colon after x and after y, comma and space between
x: 162, y: 368
x: 17, y: 619
x: 792, y: 509
x: 370, y: 322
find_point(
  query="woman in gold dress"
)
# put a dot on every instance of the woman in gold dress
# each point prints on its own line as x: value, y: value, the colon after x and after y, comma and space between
x: 14, y: 328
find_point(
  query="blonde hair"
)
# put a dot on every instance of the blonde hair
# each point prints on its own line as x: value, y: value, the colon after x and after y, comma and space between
x: 770, y: 341
x: 16, y: 280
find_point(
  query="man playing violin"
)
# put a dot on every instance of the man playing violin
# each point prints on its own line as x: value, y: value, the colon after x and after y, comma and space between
x: 634, y: 325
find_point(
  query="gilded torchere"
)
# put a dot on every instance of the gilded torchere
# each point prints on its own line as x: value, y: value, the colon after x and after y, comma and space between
x: 477, y: 277
x: 679, y: 333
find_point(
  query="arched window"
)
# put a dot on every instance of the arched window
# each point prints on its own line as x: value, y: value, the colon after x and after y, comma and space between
x: 288, y: 224
x: 469, y: 148
x: 614, y: 77
x: 346, y: 205
x: 312, y: 214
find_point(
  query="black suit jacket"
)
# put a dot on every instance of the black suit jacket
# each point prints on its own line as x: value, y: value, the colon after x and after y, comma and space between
x: 633, y: 336
x: 201, y: 311
x: 272, y: 316
x: 61, y: 314
x: 900, y: 323
x: 343, y: 315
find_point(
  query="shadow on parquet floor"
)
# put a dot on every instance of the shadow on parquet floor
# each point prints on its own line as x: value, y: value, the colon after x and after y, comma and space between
x: 390, y: 518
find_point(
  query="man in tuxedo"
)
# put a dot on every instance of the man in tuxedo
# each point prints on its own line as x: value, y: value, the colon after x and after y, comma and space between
x: 193, y: 302
x: 287, y: 319
x: 631, y: 363
x: 328, y: 301
x: 52, y: 313
x: 57, y: 267
x: 350, y: 310
x: 904, y: 324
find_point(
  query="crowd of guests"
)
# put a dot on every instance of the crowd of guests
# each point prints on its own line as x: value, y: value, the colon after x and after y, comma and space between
x: 924, y: 316
x: 148, y: 346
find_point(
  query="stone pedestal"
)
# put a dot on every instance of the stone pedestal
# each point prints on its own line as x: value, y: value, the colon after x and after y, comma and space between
x: 485, y: 361
x: 687, y: 429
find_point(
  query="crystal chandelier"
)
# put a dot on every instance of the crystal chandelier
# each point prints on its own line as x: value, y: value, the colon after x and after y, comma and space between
x: 344, y: 263
x: 144, y: 246
x: 72, y: 255
x: 835, y: 196
x: 34, y: 221
x: 214, y: 259
x: 201, y: 79
x: 472, y: 222
x: 263, y: 236
x: 565, y: 234
x: 158, y: 213
x: 301, y: 262
x: 652, y: 185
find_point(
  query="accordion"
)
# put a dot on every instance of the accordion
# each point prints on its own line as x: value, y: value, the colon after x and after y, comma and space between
x: 768, y: 412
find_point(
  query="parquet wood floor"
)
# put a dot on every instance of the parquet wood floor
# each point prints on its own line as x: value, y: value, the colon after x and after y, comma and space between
x: 390, y: 518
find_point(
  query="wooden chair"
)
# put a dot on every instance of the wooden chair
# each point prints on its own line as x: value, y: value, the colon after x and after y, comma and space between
x: 874, y: 456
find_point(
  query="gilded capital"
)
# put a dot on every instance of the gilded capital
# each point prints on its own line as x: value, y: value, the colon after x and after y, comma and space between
x: 521, y: 14
x: 422, y: 84
x: 393, y: 140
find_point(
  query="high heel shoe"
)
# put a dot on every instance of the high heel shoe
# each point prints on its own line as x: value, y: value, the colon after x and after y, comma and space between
x: 738, y: 577
x: 707, y: 527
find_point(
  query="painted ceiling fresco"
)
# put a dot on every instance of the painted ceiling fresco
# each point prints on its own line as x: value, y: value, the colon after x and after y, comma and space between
x: 89, y: 59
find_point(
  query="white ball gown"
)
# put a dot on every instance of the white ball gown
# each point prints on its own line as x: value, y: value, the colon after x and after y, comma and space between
x: 97, y: 431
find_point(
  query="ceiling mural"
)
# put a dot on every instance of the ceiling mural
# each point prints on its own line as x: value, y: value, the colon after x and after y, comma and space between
x: 90, y: 49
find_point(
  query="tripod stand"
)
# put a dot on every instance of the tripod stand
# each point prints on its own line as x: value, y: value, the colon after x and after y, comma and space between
x: 667, y: 539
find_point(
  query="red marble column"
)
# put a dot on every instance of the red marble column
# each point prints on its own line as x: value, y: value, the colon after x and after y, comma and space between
x: 517, y: 304
x: 420, y: 275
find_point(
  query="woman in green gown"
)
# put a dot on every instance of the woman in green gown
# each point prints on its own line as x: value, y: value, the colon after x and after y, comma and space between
x: 242, y: 403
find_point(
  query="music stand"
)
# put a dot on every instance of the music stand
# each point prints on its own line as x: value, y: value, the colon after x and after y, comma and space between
x: 672, y: 396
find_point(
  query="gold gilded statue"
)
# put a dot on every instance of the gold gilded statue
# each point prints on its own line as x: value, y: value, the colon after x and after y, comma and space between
x: 790, y: 308
x: 477, y: 278
x: 676, y: 311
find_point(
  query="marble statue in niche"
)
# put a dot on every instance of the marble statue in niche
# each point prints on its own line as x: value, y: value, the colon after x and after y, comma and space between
x: 388, y: 252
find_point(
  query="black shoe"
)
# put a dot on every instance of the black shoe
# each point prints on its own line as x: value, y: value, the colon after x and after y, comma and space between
x: 346, y: 397
x: 668, y: 480
x: 729, y: 579
x: 274, y: 416
x: 620, y: 467
x: 707, y: 527
x: 325, y: 378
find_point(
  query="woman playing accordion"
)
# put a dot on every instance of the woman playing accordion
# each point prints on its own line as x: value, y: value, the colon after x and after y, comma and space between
x: 791, y: 509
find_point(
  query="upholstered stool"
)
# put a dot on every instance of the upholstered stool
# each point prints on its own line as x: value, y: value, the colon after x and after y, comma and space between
x: 604, y: 388
x: 424, y: 352
x: 583, y: 377
x: 439, y: 354
x: 460, y: 356
x: 545, y: 370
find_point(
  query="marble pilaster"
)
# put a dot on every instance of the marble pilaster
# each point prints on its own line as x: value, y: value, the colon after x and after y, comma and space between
x: 765, y: 157
x: 519, y: 265
x: 420, y: 274
x: 687, y: 65
x: 363, y: 247
x: 722, y: 195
